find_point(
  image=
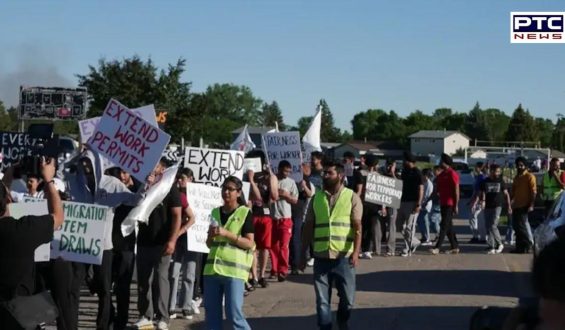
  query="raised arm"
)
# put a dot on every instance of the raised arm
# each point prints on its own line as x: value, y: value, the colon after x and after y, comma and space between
x: 54, y: 203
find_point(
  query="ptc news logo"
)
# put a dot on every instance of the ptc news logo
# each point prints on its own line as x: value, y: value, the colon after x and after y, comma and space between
x: 537, y: 27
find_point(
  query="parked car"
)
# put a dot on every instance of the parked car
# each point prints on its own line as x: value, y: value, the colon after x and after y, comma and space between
x: 552, y: 227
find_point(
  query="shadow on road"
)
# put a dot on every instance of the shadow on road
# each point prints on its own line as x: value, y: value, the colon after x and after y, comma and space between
x: 394, y: 318
x: 457, y: 282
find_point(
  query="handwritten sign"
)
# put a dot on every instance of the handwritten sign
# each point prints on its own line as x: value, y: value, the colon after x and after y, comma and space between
x: 14, y: 146
x: 128, y: 141
x: 88, y: 126
x: 253, y: 164
x: 284, y: 146
x: 383, y: 190
x: 203, y: 199
x: 81, y: 237
x: 213, y: 166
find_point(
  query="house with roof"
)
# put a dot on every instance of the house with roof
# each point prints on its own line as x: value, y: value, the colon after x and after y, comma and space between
x: 437, y: 142
x: 382, y: 149
x: 254, y: 132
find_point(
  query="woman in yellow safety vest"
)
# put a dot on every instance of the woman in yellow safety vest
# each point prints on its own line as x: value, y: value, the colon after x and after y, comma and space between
x: 231, y: 243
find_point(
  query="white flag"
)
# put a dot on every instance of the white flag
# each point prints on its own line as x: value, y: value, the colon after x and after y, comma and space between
x: 311, y: 140
x: 243, y: 142
x: 153, y: 197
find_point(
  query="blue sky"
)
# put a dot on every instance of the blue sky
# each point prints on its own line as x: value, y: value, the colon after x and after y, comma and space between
x: 393, y: 55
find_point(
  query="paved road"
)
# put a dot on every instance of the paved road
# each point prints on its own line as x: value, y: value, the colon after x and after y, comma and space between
x: 420, y: 292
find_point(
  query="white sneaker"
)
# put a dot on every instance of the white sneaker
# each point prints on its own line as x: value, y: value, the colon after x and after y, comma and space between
x: 172, y: 315
x: 197, y: 302
x: 491, y: 251
x: 366, y: 255
x: 310, y: 262
x: 500, y: 248
x: 162, y: 325
x: 143, y: 323
x: 195, y: 308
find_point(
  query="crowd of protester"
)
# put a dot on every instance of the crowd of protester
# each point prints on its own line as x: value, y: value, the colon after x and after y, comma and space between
x: 283, y: 226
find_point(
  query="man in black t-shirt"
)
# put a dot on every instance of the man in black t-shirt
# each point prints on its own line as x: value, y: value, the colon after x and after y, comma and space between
x: 493, y: 195
x: 156, y: 243
x: 412, y: 195
x: 18, y: 240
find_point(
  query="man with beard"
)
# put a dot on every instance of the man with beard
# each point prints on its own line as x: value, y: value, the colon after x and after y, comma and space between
x: 524, y: 191
x: 333, y: 223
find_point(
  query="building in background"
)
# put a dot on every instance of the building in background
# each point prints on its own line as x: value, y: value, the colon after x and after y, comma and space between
x: 437, y: 142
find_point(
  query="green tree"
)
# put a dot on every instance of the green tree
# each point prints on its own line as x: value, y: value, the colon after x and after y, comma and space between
x: 364, y: 124
x: 522, y: 127
x: 417, y: 121
x: 545, y: 128
x: 391, y: 128
x: 303, y: 124
x: 5, y: 120
x: 455, y: 122
x: 135, y: 83
x: 271, y: 114
x: 475, y: 125
x: 558, y: 136
x: 214, y: 114
x: 329, y: 133
x: 496, y: 123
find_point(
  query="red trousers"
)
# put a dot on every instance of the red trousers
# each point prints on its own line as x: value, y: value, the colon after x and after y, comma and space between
x: 282, y: 232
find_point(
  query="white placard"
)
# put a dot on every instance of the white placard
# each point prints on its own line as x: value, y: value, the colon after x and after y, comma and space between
x: 129, y: 141
x: 213, y: 166
x: 284, y: 146
x: 253, y: 164
x: 88, y: 126
x: 81, y: 237
x: 202, y: 199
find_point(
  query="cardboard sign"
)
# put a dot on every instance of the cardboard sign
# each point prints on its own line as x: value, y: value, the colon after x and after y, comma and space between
x: 253, y: 164
x: 383, y: 190
x: 213, y: 166
x: 202, y: 200
x: 81, y: 237
x: 129, y: 141
x: 88, y: 126
x: 14, y: 146
x: 284, y: 146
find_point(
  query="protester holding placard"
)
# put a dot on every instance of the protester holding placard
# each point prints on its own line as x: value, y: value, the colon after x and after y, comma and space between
x: 156, y: 243
x: 18, y: 240
x: 184, y: 261
x: 231, y: 241
x: 282, y: 221
x: 375, y: 216
x: 123, y: 254
x: 90, y: 185
x: 264, y: 191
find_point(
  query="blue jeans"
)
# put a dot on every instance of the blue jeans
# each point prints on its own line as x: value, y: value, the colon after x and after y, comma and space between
x: 424, y: 224
x: 326, y: 273
x: 216, y: 287
x: 435, y: 218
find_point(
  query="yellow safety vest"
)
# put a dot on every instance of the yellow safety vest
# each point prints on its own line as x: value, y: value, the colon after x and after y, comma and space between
x: 225, y: 258
x: 551, y: 189
x: 332, y: 229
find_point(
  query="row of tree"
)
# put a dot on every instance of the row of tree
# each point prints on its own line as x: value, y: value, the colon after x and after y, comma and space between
x: 214, y: 113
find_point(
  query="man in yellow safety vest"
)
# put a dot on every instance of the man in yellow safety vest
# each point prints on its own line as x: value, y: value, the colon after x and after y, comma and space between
x: 333, y: 222
x: 552, y: 184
